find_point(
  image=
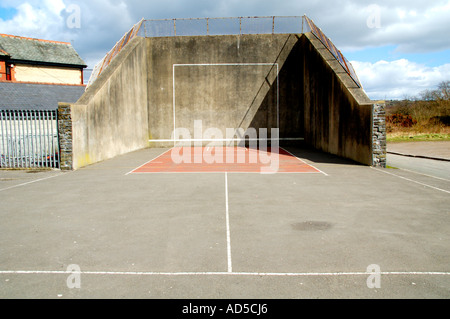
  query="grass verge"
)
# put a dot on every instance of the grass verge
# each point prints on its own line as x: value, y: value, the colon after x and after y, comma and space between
x: 417, y: 137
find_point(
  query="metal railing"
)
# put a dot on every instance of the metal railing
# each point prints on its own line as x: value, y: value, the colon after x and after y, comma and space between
x: 223, y: 26
x: 333, y: 50
x: 29, y: 139
x: 103, y: 64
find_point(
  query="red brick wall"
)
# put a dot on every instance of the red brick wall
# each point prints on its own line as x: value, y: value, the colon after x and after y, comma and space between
x: 2, y: 71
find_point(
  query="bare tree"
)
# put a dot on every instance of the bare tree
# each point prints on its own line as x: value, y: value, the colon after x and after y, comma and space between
x: 444, y: 90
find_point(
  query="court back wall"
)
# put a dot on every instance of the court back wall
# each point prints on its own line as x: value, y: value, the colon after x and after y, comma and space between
x: 226, y: 82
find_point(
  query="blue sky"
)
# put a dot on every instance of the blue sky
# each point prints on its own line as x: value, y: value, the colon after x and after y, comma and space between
x: 398, y: 48
x: 389, y: 53
x: 7, y: 13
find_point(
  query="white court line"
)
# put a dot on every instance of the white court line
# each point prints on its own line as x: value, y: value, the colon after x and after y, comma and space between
x: 230, y: 268
x: 407, y: 170
x: 220, y: 172
x: 411, y: 180
x: 212, y: 273
x: 305, y: 162
x: 30, y: 182
x: 148, y: 161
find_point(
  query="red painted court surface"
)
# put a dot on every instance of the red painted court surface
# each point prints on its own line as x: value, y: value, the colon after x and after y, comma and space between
x: 225, y: 159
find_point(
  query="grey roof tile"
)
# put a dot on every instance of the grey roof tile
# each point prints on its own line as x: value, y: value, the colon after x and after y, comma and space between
x: 27, y: 96
x: 28, y: 49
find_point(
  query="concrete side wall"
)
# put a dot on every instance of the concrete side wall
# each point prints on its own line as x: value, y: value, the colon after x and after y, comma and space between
x: 111, y: 117
x: 338, y: 114
x: 226, y: 82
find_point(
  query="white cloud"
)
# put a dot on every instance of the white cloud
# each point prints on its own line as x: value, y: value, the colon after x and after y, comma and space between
x: 426, y: 31
x: 398, y: 79
x: 415, y: 26
x: 409, y: 25
x: 103, y: 23
x: 55, y: 6
x: 32, y: 21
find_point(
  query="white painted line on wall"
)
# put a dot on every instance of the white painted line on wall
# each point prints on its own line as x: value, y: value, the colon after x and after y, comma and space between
x: 173, y: 102
x: 225, y: 139
x: 222, y: 64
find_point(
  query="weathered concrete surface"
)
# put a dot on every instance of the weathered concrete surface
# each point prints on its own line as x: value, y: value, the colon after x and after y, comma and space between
x: 337, y: 112
x: 111, y: 117
x: 215, y: 79
x: 226, y: 82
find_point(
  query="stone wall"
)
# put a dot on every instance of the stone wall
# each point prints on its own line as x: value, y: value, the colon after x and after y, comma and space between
x: 65, y: 136
x: 379, y: 134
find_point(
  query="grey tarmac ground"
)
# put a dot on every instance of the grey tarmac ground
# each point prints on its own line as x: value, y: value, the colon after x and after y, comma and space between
x: 222, y: 236
x: 429, y: 158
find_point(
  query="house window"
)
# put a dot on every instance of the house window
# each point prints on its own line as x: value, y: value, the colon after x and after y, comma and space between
x: 8, y: 72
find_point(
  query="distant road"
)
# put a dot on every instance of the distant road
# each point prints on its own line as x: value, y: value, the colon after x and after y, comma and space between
x: 431, y: 167
x: 436, y: 149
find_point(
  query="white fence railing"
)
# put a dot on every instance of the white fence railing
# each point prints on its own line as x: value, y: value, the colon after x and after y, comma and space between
x: 29, y: 139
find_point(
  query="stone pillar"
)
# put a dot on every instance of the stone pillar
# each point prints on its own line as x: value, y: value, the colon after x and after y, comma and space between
x: 379, y: 134
x: 65, y: 136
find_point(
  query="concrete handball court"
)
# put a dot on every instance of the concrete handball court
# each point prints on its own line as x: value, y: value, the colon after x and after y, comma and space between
x: 224, y: 235
x: 122, y: 219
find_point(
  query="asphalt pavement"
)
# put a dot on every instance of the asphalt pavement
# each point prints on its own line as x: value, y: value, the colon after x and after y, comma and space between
x: 351, y: 231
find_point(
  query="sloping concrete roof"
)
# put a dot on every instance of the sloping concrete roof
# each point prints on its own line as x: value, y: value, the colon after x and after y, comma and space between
x: 28, y: 96
x: 36, y: 50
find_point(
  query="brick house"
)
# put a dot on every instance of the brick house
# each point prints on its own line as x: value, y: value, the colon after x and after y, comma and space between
x: 37, y: 74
